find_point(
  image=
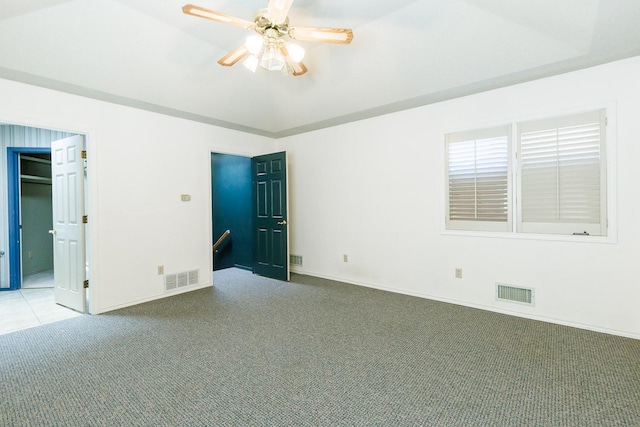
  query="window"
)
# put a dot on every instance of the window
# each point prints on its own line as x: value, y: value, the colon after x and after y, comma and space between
x: 559, y: 182
x: 562, y: 170
x: 478, y: 177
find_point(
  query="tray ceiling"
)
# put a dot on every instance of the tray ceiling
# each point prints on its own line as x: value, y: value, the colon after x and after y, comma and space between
x: 148, y: 54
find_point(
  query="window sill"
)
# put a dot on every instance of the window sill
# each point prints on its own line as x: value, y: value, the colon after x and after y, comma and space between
x: 532, y: 236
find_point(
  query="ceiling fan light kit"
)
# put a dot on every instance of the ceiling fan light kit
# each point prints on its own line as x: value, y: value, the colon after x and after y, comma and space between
x: 271, y: 48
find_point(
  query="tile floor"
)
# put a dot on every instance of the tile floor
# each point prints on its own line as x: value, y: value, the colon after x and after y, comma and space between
x: 31, y: 306
x: 42, y: 279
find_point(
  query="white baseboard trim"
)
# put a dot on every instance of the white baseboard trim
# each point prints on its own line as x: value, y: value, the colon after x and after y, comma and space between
x: 471, y: 305
x: 153, y: 298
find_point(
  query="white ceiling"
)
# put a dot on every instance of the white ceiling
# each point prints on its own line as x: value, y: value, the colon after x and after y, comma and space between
x: 148, y: 54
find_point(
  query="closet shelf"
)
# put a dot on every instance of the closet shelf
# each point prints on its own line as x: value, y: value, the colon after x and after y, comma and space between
x: 35, y: 159
x: 35, y: 179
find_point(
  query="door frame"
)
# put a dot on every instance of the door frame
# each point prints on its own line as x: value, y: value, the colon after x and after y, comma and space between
x: 250, y: 155
x: 13, y: 193
x: 91, y: 194
x: 245, y: 154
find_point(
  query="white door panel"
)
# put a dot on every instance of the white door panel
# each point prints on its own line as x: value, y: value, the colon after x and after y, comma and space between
x: 67, y: 169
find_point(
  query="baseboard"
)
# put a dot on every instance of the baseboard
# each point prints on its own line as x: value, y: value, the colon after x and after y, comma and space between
x: 471, y: 305
x: 152, y: 298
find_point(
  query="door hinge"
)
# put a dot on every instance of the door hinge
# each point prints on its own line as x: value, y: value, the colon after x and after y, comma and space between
x: 86, y: 284
x: 85, y: 219
x: 83, y: 154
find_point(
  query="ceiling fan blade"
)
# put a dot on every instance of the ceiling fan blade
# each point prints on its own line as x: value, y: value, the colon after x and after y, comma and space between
x: 297, y: 68
x: 201, y: 12
x: 234, y: 56
x: 278, y: 9
x: 325, y: 35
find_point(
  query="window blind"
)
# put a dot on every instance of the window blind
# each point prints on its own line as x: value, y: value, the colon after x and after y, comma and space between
x: 561, y: 170
x: 478, y: 178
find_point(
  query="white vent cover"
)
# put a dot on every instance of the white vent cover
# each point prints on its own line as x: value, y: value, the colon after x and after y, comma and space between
x: 194, y: 277
x: 182, y: 279
x: 515, y: 294
x: 170, y: 282
x: 179, y: 280
x: 295, y: 259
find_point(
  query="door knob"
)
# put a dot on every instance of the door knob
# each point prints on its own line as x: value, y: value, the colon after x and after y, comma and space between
x: 52, y: 232
x: 282, y: 223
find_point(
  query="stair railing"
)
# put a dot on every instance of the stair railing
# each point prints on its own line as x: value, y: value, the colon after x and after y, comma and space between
x: 220, y: 240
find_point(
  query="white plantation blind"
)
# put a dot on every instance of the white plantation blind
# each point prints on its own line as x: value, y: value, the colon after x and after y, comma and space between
x: 478, y: 180
x: 561, y: 175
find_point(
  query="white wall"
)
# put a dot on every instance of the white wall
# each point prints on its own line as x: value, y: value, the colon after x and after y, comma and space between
x: 374, y: 190
x: 371, y: 189
x: 139, y: 163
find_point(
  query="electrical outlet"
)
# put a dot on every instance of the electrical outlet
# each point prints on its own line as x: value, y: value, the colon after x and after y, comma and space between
x: 160, y: 270
x: 30, y: 255
x: 345, y: 258
x: 458, y: 273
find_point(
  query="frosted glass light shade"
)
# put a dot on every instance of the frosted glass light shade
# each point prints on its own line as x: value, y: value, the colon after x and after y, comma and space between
x: 251, y: 63
x: 272, y: 59
x: 254, y: 44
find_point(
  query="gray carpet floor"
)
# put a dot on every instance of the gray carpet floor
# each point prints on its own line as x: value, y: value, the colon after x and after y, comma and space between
x: 258, y: 352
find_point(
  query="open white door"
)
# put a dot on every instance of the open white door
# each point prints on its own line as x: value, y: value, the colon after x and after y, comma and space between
x: 67, y: 172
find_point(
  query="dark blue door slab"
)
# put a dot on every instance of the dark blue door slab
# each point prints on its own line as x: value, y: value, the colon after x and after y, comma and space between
x: 269, y: 179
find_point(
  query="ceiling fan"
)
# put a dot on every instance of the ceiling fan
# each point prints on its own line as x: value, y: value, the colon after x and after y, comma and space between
x: 271, y: 47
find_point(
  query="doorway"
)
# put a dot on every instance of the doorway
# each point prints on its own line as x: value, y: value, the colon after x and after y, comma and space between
x: 30, y: 214
x: 36, y: 220
x: 231, y: 210
x: 35, y: 243
x: 31, y: 301
x: 249, y: 213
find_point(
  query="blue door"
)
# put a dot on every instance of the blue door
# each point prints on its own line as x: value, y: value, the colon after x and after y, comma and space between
x: 269, y: 185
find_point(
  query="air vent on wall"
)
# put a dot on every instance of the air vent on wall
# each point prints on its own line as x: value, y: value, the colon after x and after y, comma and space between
x: 194, y: 277
x: 182, y: 279
x: 179, y: 280
x: 515, y: 294
x: 295, y: 259
x: 170, y: 282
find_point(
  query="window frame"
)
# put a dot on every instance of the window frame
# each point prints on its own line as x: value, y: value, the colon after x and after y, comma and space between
x: 564, y: 227
x: 607, y: 178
